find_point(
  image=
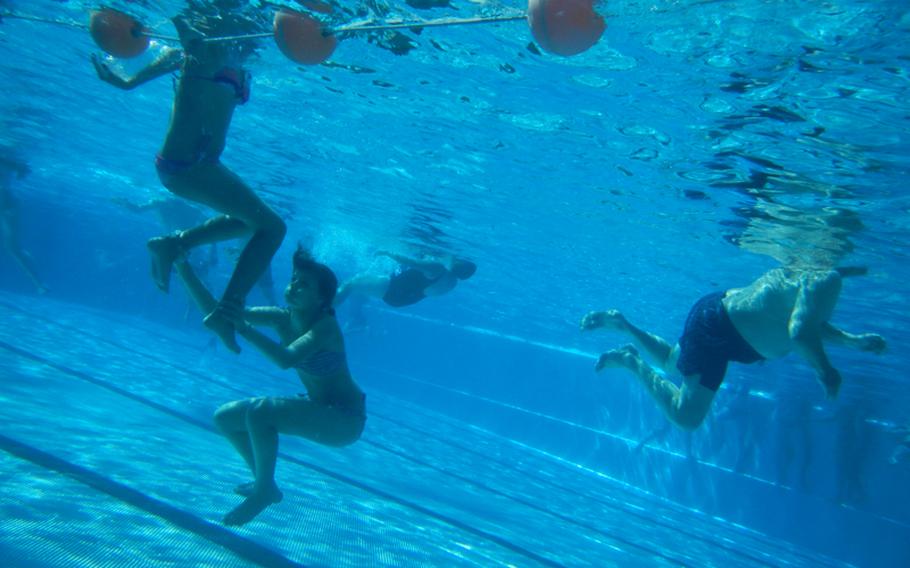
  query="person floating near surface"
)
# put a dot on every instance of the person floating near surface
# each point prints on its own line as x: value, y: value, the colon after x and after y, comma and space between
x: 781, y: 311
x: 412, y: 282
x: 333, y: 412
x: 9, y: 218
x: 210, y: 84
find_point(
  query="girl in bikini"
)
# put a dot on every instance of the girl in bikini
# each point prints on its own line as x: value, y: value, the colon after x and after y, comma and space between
x: 210, y: 84
x: 333, y: 412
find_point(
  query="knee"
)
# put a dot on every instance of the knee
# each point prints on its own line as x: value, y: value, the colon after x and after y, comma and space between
x: 689, y: 424
x: 274, y: 228
x: 228, y: 415
x: 688, y: 419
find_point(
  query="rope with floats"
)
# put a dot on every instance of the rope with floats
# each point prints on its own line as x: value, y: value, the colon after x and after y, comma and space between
x: 561, y: 27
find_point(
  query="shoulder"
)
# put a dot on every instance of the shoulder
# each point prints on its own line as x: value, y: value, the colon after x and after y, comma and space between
x: 326, y: 331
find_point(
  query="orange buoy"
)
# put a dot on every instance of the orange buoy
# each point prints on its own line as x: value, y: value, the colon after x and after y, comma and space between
x: 565, y: 27
x: 300, y: 38
x: 117, y: 33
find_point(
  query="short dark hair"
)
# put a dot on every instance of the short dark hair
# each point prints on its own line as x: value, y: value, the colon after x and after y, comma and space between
x: 326, y: 281
x: 463, y: 269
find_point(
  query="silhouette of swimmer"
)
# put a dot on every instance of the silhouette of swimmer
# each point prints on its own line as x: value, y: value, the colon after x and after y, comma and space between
x: 901, y: 452
x: 412, y: 282
x: 174, y: 214
x: 781, y: 311
x: 9, y: 218
x: 333, y: 413
x: 210, y: 85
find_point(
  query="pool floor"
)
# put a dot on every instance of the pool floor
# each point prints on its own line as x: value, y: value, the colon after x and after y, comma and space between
x: 110, y: 459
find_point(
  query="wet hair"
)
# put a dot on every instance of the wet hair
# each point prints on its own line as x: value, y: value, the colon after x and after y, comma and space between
x: 463, y: 269
x: 326, y: 281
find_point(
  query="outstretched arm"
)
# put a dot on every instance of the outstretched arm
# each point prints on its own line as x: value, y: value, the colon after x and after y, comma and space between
x: 169, y: 61
x: 864, y: 341
x: 134, y: 207
x: 194, y: 286
x: 283, y: 356
x: 270, y: 316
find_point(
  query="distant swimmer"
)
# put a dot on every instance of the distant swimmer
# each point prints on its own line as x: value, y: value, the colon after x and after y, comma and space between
x: 413, y: 281
x: 174, y: 214
x: 210, y: 84
x: 11, y: 167
x: 332, y: 413
x: 901, y: 452
x: 781, y: 311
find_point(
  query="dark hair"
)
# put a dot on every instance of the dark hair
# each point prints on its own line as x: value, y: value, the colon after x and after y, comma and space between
x: 463, y: 269
x: 326, y: 280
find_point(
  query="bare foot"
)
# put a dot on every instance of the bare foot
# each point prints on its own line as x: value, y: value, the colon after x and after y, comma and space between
x: 164, y: 251
x: 248, y: 488
x: 223, y: 328
x: 625, y: 356
x: 612, y: 319
x: 254, y: 504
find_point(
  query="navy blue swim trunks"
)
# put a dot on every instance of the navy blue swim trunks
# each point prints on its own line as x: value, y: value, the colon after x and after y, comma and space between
x: 406, y: 288
x: 709, y: 341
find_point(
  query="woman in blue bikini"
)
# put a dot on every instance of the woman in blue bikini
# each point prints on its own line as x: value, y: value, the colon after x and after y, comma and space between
x: 210, y: 84
x: 334, y: 411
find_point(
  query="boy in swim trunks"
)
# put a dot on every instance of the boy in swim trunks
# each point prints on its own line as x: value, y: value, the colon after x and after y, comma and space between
x: 781, y: 311
x: 412, y: 282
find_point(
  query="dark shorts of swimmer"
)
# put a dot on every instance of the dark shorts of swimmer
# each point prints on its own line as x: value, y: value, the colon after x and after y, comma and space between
x: 406, y: 288
x: 709, y: 341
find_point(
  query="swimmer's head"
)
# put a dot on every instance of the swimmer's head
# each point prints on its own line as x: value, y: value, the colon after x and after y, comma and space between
x: 326, y: 281
x: 463, y: 269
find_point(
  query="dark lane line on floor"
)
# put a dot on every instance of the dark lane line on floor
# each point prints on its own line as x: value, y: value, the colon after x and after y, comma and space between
x: 319, y: 469
x: 243, y: 547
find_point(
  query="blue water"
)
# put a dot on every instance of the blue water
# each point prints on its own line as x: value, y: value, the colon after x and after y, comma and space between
x: 696, y: 146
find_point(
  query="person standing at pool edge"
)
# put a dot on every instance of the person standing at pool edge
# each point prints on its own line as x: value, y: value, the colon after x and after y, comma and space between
x: 211, y: 83
x: 781, y: 311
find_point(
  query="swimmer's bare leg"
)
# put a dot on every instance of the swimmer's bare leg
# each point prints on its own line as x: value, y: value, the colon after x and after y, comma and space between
x: 655, y: 346
x: 686, y: 407
x: 263, y: 437
x: 164, y: 251
x: 362, y: 286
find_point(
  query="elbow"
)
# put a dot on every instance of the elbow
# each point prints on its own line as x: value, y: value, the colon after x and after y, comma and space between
x: 798, y: 330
